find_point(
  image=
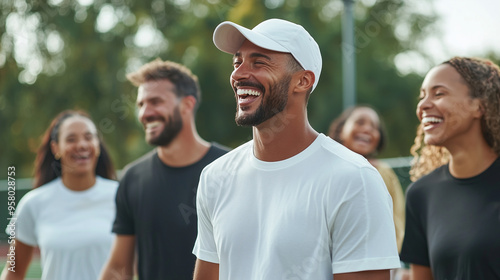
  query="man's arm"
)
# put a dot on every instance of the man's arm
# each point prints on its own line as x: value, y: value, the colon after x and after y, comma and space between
x: 120, y: 265
x: 420, y: 272
x: 206, y: 270
x: 364, y: 275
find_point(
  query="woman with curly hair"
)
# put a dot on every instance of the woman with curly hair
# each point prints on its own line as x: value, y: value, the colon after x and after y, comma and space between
x: 69, y: 212
x: 453, y: 206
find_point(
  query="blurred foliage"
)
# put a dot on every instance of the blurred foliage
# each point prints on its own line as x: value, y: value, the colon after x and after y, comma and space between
x: 61, y: 54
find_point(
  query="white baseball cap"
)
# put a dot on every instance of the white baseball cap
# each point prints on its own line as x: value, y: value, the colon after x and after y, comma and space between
x: 276, y: 35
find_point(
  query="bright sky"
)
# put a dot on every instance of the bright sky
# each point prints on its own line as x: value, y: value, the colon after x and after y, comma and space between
x: 469, y: 28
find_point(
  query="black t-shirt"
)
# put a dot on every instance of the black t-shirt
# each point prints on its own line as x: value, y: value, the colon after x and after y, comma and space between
x: 453, y: 225
x: 157, y: 204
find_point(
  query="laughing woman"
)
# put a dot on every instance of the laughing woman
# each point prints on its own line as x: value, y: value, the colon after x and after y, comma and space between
x: 69, y: 213
x: 453, y: 209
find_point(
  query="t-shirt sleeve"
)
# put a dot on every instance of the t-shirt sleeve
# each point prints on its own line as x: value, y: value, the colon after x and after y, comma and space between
x: 124, y: 221
x: 415, y: 247
x: 362, y: 227
x: 25, y: 221
x: 205, y: 247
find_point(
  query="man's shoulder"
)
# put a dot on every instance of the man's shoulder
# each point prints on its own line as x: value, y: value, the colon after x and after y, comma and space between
x: 141, y: 163
x: 339, y: 155
x: 216, y: 150
x: 230, y: 156
x: 219, y: 147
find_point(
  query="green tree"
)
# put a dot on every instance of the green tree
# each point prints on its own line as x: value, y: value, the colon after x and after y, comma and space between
x: 61, y: 54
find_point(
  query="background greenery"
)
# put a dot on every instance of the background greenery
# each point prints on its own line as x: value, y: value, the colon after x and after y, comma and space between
x: 61, y: 54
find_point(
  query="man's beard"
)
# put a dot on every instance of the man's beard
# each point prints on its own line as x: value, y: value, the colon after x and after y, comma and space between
x: 270, y: 106
x: 172, y: 128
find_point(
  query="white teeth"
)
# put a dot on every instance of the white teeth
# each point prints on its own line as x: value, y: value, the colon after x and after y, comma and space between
x: 82, y: 157
x: 247, y: 92
x: 364, y: 138
x: 427, y: 120
x: 153, y: 124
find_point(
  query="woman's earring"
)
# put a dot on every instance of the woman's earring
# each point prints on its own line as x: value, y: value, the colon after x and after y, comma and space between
x: 57, y: 156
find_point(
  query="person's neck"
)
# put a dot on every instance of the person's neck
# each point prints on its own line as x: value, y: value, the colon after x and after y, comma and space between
x: 78, y: 182
x: 187, y: 148
x: 470, y: 159
x: 282, y: 137
x: 373, y: 161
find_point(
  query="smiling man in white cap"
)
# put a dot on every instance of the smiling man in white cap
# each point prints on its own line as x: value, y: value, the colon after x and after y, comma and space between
x: 291, y: 203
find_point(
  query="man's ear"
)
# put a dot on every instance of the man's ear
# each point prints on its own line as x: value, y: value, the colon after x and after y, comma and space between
x: 188, y: 103
x: 305, y: 80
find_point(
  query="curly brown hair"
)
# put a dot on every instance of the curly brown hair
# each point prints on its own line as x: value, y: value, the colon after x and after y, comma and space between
x: 483, y: 80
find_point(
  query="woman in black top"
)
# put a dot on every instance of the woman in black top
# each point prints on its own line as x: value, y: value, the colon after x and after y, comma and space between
x: 453, y: 209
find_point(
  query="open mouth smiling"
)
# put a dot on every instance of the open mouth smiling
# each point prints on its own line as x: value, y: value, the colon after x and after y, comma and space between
x: 247, y: 96
x: 430, y: 122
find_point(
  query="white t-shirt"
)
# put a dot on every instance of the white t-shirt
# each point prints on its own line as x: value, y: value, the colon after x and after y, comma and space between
x: 71, y: 228
x: 318, y: 213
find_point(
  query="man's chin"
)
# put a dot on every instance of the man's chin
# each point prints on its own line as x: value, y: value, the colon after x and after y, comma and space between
x: 152, y: 141
x: 254, y: 119
x: 249, y: 121
x: 159, y: 141
x: 245, y: 121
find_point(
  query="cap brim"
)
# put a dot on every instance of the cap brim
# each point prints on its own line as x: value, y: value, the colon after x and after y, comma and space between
x: 228, y: 37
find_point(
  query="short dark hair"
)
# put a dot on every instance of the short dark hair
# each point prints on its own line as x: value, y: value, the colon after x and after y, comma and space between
x: 185, y: 82
x: 294, y: 66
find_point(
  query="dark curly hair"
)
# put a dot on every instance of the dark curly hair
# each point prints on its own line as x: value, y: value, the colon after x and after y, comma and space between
x: 483, y: 80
